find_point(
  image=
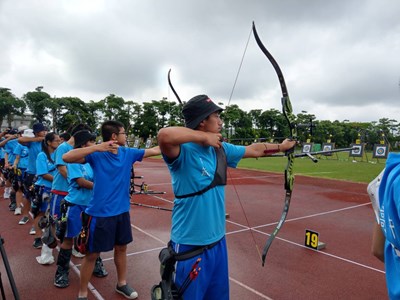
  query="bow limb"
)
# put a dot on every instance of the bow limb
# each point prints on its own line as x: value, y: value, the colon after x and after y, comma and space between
x: 290, y: 118
x: 172, y: 87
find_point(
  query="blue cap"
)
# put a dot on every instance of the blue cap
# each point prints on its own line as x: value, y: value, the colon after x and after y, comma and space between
x: 38, y: 127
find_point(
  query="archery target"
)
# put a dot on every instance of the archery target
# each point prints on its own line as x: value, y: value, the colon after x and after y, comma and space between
x: 307, y: 148
x: 328, y: 147
x: 357, y: 150
x: 380, y: 151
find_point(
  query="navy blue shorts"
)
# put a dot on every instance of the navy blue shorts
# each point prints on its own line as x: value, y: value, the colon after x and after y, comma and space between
x: 106, y: 232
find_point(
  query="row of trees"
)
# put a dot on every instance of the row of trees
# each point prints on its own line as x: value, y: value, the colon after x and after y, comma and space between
x: 147, y: 118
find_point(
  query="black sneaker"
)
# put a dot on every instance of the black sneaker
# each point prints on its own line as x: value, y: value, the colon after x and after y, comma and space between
x: 12, y: 206
x: 37, y: 243
x: 23, y: 221
x: 61, y: 280
x: 126, y: 291
x: 99, y: 270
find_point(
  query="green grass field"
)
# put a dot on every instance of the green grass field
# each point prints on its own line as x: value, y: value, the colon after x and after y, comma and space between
x: 340, y: 166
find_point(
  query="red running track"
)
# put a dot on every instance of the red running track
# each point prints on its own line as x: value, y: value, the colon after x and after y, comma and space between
x: 339, y: 211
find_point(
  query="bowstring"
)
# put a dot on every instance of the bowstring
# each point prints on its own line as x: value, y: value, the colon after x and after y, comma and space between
x: 240, y: 67
x: 229, y: 173
x: 245, y: 215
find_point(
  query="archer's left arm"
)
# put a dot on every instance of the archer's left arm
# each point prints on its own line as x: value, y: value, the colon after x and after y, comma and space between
x: 152, y: 152
x: 265, y: 149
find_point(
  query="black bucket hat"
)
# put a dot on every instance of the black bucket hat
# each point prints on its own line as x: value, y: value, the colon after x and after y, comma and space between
x: 197, y: 109
x: 82, y: 137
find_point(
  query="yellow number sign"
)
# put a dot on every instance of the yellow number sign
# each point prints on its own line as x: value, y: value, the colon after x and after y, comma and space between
x: 311, y: 239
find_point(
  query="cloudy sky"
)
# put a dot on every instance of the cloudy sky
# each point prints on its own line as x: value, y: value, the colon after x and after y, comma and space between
x: 340, y: 59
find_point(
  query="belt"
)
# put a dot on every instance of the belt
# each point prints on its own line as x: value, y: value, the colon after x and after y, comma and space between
x: 61, y: 193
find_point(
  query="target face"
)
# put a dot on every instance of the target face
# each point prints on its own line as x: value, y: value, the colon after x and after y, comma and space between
x: 380, y: 151
x: 357, y: 150
x: 307, y: 148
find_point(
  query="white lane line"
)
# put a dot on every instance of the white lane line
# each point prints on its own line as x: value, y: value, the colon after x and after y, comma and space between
x: 245, y: 228
x: 249, y: 288
x: 159, y: 248
x: 317, y: 214
x: 149, y: 234
x: 91, y: 288
x: 324, y: 253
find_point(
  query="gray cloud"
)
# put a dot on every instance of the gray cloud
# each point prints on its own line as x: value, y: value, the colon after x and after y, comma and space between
x: 340, y: 60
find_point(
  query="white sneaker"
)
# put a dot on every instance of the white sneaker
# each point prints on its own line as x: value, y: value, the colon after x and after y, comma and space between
x: 7, y: 191
x: 32, y: 231
x: 77, y: 254
x: 18, y: 211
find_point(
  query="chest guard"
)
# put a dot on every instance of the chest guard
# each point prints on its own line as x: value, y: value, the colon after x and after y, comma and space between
x: 219, y: 175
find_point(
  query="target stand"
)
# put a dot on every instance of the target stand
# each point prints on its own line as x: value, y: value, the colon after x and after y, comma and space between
x: 143, y: 187
x: 144, y: 190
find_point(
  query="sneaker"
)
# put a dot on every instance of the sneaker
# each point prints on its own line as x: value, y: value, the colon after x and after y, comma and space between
x: 99, y: 270
x: 61, y: 280
x: 127, y: 291
x: 23, y: 221
x: 32, y: 231
x: 12, y: 206
x: 18, y: 211
x: 37, y: 243
x: 6, y: 194
x: 77, y: 253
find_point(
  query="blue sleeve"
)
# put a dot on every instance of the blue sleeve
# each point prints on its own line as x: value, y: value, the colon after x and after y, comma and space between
x: 233, y: 154
x: 59, y: 153
x: 137, y: 154
x: 7, y: 148
x: 41, y: 164
x: 74, y: 171
x: 18, y: 149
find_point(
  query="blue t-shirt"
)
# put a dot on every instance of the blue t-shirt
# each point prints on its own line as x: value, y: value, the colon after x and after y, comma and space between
x: 2, y: 149
x: 199, y: 220
x: 112, y: 174
x: 389, y: 199
x: 76, y: 194
x: 59, y: 182
x: 34, y: 149
x: 23, y: 153
x: 9, y: 148
x: 44, y: 166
